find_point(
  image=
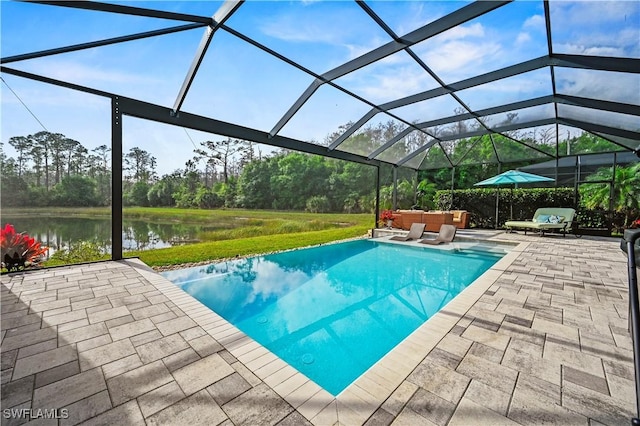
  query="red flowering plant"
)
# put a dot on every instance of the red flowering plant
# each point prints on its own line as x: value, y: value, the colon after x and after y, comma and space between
x: 385, y: 215
x: 635, y: 224
x: 18, y: 250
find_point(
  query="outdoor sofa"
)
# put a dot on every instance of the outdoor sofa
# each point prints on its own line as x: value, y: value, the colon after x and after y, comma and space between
x: 433, y: 220
x: 545, y: 219
x: 461, y: 218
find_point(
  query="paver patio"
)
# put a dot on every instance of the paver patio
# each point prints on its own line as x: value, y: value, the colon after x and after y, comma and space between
x: 541, y: 340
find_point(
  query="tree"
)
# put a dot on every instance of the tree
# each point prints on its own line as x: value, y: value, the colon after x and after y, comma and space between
x: 76, y: 191
x: 161, y: 193
x: 297, y: 178
x: 222, y: 153
x: 137, y: 196
x: 206, y: 198
x: 22, y: 145
x: 254, y: 184
x: 426, y: 192
x: 15, y: 191
x: 41, y: 151
x: 189, y: 184
x: 100, y: 169
x: 57, y: 144
x: 141, y: 164
x: 75, y: 155
x: 625, y: 197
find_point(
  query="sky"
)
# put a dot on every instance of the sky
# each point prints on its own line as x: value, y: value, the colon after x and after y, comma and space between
x: 239, y: 83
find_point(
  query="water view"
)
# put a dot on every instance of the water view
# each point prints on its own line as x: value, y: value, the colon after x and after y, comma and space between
x: 60, y: 232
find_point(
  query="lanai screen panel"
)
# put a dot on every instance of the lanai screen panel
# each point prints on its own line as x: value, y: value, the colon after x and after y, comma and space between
x: 414, y: 141
x: 139, y: 69
x: 373, y: 135
x: 596, y: 28
x: 503, y: 37
x: 430, y: 109
x: 406, y: 16
x: 452, y: 77
x: 572, y: 142
x: 318, y: 36
x: 518, y: 88
x: 386, y: 80
x: 220, y: 87
x: 323, y: 114
x: 602, y: 85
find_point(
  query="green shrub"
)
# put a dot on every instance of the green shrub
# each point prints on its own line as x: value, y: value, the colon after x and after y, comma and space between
x: 79, y: 252
x: 318, y: 204
x: 207, y: 199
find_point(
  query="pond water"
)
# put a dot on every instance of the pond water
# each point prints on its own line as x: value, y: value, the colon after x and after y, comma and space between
x: 59, y: 232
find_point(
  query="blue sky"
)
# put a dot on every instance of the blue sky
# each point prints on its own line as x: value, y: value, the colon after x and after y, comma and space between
x: 241, y: 84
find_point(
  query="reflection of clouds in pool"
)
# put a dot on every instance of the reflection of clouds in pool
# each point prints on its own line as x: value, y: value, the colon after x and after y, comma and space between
x: 179, y: 276
x: 273, y: 281
x: 238, y: 288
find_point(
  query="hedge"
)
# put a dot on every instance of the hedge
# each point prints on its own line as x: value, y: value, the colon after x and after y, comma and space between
x: 481, y: 202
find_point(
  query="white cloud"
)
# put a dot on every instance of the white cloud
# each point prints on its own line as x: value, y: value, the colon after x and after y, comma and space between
x: 286, y: 29
x: 463, y: 31
x: 523, y: 38
x: 456, y: 56
x: 535, y: 22
x: 396, y: 84
x: 590, y: 50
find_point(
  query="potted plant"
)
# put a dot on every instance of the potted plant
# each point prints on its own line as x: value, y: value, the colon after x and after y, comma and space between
x: 19, y: 251
x: 386, y: 218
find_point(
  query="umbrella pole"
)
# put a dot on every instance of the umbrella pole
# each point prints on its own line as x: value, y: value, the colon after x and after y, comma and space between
x: 497, y: 204
x: 511, y: 203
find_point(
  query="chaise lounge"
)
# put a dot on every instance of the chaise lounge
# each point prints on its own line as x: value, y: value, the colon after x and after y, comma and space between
x: 545, y: 219
x: 446, y: 235
x: 416, y: 231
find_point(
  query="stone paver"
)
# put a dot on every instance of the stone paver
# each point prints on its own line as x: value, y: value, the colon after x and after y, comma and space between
x: 57, y: 373
x: 272, y: 408
x: 44, y: 361
x: 198, y: 409
x: 66, y: 391
x: 228, y: 388
x: 545, y: 341
x: 139, y: 381
x: 160, y: 398
x: 161, y: 348
x: 202, y: 373
x: 105, y: 354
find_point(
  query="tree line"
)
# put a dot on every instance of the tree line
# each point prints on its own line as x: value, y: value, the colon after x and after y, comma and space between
x: 50, y: 169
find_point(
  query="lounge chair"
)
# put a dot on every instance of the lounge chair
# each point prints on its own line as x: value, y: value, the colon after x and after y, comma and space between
x: 546, y: 219
x: 446, y: 235
x: 415, y: 232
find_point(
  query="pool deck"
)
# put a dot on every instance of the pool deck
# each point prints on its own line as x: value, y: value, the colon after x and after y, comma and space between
x: 540, y: 338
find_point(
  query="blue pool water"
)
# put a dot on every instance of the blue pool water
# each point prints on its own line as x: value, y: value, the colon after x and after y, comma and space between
x: 333, y: 311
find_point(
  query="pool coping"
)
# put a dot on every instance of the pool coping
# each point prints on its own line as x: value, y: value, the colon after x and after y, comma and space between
x: 356, y: 403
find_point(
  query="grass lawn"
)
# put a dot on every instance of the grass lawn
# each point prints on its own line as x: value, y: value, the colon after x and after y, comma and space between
x: 237, y: 232
x: 248, y: 232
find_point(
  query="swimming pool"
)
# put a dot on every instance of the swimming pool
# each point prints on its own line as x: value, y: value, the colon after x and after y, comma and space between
x: 333, y: 311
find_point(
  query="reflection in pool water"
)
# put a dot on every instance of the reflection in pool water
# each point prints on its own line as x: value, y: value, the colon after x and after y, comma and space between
x: 333, y: 311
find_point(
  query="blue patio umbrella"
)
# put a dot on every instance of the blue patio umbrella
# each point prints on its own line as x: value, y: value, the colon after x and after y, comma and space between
x: 511, y: 177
